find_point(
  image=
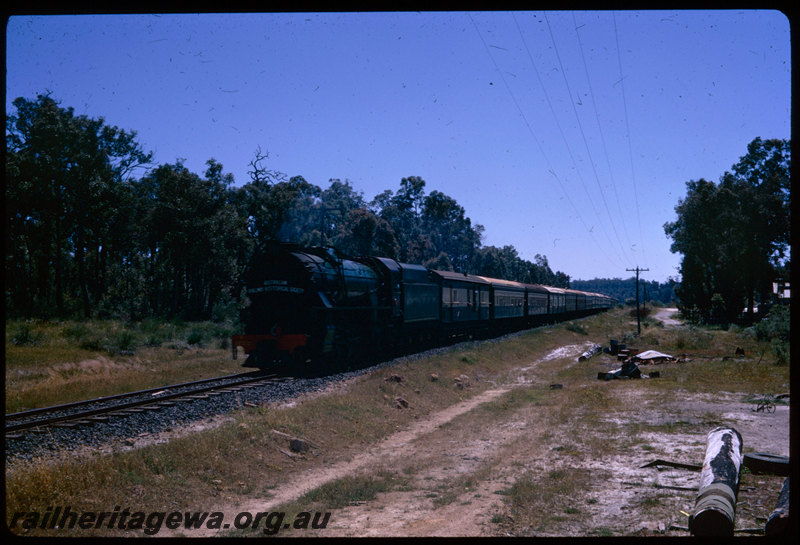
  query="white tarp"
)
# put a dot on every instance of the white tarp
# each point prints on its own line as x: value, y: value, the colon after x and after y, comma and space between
x: 652, y: 355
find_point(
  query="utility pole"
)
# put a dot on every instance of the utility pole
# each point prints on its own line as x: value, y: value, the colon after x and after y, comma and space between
x: 638, y: 319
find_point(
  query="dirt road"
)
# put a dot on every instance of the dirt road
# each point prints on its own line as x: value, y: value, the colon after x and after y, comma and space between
x: 461, y: 463
x: 665, y: 316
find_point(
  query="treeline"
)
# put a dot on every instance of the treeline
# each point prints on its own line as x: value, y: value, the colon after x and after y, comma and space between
x: 735, y: 235
x: 86, y: 237
x: 625, y: 290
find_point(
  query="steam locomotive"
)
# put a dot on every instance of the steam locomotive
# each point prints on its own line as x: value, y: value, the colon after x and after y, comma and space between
x: 312, y: 309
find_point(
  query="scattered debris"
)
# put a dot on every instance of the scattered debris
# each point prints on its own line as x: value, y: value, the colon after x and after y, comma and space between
x: 614, y: 347
x: 763, y: 463
x: 298, y: 445
x: 778, y: 522
x: 591, y: 351
x: 625, y: 355
x: 681, y: 488
x: 680, y: 465
x: 767, y: 402
x: 400, y: 403
x: 289, y: 454
x: 652, y: 356
x: 627, y: 371
x: 393, y: 378
x: 765, y: 405
x: 754, y: 531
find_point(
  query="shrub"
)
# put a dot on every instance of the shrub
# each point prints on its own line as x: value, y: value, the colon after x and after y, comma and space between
x: 75, y: 331
x: 576, y: 328
x: 643, y: 311
x: 195, y: 336
x: 775, y: 326
x: 692, y: 338
x: 91, y: 342
x: 781, y: 350
x: 122, y: 342
x: 26, y: 336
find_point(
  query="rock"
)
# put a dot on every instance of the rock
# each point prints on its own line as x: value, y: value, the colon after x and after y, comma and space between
x: 393, y: 378
x: 400, y: 403
x: 434, y: 377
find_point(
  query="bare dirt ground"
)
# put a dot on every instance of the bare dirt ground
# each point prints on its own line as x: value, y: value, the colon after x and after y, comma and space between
x: 461, y: 463
x: 459, y: 473
x: 665, y: 315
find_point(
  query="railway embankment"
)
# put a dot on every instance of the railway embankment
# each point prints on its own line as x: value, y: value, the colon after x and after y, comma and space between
x: 484, y: 443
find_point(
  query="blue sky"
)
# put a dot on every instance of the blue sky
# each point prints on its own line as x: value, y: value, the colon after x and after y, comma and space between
x: 569, y: 134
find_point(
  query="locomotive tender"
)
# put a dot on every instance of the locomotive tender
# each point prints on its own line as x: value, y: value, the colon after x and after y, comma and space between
x: 311, y: 308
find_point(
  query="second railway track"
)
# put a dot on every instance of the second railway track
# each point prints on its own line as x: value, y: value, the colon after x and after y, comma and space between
x: 101, y: 409
x: 113, y: 434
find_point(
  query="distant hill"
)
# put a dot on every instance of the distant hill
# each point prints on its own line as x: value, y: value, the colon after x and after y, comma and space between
x: 624, y: 289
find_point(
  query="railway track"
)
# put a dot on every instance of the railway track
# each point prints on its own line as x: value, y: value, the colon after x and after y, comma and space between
x: 103, y: 409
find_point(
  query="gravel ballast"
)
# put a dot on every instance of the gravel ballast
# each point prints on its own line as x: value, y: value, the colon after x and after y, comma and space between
x: 55, y: 440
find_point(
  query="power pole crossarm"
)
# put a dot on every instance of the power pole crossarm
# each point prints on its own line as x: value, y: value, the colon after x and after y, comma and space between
x: 638, y: 318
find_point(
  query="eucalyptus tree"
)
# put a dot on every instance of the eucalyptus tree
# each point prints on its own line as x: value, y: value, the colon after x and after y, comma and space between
x: 194, y: 239
x: 67, y: 179
x: 734, y: 236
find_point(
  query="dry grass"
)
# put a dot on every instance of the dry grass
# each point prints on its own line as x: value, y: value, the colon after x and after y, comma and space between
x: 546, y: 502
x: 48, y: 363
x: 243, y: 458
x: 232, y: 461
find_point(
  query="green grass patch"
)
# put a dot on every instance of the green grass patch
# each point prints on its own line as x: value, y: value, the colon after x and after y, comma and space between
x: 347, y: 491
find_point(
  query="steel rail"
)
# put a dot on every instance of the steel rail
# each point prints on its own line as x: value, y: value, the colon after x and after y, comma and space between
x: 251, y: 378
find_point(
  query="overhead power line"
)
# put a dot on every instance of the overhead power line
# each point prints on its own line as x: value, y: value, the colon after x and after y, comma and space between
x: 583, y: 136
x: 561, y: 132
x: 600, y: 130
x: 628, y: 132
x: 530, y: 129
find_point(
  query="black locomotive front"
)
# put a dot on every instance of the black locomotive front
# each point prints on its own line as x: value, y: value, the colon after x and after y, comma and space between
x: 308, y: 305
